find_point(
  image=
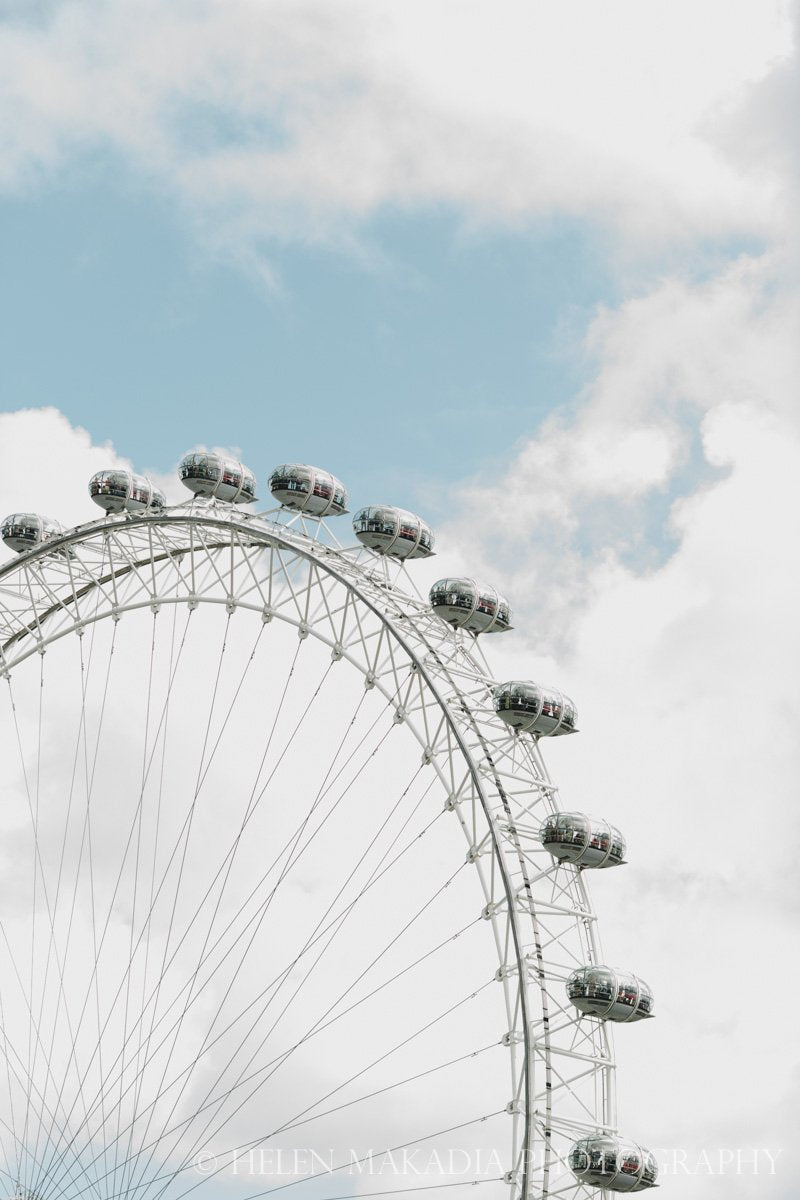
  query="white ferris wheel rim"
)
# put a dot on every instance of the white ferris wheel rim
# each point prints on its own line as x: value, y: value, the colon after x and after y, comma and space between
x: 131, y: 562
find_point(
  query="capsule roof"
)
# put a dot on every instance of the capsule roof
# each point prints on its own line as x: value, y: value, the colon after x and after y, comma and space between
x: 118, y: 491
x: 534, y: 708
x: 478, y: 607
x: 216, y: 477
x: 393, y: 531
x: 308, y: 489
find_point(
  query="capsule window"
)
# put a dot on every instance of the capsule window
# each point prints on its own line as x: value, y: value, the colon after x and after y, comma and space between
x: 627, y: 992
x: 600, y: 986
x: 113, y: 483
x: 549, y: 830
x: 203, y: 466
x: 630, y: 1163
x: 600, y: 839
x: 372, y: 520
x: 601, y: 1159
x: 487, y: 605
x: 285, y: 479
x: 573, y: 832
x: 645, y: 999
x: 140, y: 491
x: 578, y: 1158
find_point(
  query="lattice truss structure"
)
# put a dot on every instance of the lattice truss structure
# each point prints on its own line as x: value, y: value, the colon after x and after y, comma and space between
x: 433, y: 681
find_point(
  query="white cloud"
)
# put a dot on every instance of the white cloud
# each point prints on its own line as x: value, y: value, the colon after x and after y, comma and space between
x: 46, y: 464
x: 587, y: 499
x: 290, y: 120
x: 683, y: 669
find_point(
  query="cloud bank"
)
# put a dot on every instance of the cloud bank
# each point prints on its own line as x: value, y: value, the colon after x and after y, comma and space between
x: 293, y: 121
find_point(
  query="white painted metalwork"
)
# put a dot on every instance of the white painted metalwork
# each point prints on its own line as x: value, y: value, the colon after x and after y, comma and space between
x: 491, y: 779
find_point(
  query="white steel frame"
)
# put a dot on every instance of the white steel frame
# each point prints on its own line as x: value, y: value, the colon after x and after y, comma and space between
x: 497, y: 787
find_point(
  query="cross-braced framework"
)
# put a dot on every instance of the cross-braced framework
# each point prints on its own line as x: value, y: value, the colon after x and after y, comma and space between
x: 83, y: 1120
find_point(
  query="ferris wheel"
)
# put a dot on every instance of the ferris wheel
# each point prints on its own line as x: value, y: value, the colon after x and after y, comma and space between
x: 289, y: 903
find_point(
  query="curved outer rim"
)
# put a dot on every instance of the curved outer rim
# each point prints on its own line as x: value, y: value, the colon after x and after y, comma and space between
x: 260, y: 531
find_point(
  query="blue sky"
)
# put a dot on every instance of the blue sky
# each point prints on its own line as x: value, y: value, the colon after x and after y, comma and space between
x: 428, y: 356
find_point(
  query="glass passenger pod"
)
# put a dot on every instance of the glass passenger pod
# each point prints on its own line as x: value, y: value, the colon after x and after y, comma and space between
x: 217, y: 477
x: 122, y: 491
x: 586, y: 841
x: 610, y: 995
x: 393, y: 531
x: 467, y: 604
x: 613, y: 1164
x: 531, y: 708
x: 308, y: 489
x: 24, y: 531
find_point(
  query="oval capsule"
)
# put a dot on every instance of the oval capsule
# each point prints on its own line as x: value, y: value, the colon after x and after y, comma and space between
x: 393, y: 531
x: 216, y: 477
x: 613, y: 1164
x: 532, y: 708
x: 24, y: 531
x: 467, y: 604
x: 117, y: 491
x: 586, y: 841
x: 308, y: 489
x: 609, y: 995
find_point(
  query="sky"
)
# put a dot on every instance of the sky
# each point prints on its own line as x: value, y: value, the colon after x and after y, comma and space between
x: 531, y: 272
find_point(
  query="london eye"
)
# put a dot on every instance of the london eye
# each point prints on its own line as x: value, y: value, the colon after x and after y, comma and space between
x: 284, y: 870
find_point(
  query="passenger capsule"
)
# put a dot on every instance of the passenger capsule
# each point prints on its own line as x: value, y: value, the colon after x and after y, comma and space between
x: 393, y: 531
x: 23, y: 531
x: 122, y: 491
x: 610, y: 995
x: 470, y: 605
x: 613, y: 1163
x: 586, y: 841
x: 217, y: 477
x: 531, y: 708
x: 308, y: 489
